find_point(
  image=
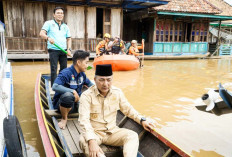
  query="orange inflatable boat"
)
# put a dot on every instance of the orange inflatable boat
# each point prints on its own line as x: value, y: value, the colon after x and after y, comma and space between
x: 118, y: 62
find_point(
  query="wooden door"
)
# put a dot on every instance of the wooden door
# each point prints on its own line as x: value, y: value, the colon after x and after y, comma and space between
x: 106, y: 21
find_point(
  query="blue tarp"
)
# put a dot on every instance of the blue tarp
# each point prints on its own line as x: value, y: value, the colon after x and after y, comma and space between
x: 125, y: 4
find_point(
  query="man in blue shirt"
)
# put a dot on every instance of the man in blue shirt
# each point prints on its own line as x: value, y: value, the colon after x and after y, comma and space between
x: 68, y: 86
x: 56, y: 31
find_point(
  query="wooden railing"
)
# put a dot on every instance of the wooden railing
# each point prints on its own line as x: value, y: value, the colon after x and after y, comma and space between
x: 179, y: 48
x: 225, y: 50
x: 38, y: 45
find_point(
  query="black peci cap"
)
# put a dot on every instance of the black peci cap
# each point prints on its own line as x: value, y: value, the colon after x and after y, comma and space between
x: 104, y: 70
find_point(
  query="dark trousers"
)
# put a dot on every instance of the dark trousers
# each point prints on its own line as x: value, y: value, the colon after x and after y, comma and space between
x: 55, y: 56
x: 67, y: 100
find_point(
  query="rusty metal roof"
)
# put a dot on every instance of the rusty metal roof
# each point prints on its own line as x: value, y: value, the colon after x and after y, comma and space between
x: 190, y: 6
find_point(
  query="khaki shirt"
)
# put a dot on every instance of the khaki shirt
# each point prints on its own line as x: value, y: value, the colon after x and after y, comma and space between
x: 97, y: 114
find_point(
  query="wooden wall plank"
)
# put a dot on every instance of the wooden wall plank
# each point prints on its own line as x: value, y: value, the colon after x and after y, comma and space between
x: 33, y: 19
x: 50, y: 8
x: 14, y: 15
x: 76, y: 20
x: 91, y: 22
x: 5, y: 6
x: 106, y: 21
x: 115, y: 22
x: 78, y: 44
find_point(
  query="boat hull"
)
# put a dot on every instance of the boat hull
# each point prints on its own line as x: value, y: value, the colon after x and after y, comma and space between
x: 118, y: 62
x: 225, y: 95
x: 7, y: 88
x: 57, y: 142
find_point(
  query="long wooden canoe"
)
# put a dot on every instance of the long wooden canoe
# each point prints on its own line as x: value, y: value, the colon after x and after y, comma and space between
x: 59, y: 142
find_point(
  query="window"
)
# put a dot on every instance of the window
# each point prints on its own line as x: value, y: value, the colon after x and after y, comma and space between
x: 171, y: 31
x: 157, y: 31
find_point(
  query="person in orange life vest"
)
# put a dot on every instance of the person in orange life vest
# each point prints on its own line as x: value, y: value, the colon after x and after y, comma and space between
x: 134, y: 49
x: 117, y: 46
x: 103, y: 45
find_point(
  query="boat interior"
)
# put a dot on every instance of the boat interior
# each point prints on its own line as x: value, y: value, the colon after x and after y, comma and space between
x: 67, y: 140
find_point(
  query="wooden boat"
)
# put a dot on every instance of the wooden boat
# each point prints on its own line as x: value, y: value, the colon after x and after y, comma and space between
x: 59, y: 142
x: 225, y: 95
x: 223, y: 106
x: 11, y: 137
x: 118, y: 62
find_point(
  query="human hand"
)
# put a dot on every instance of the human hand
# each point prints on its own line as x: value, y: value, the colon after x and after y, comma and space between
x: 51, y: 40
x: 69, y: 53
x: 76, y: 96
x: 148, y: 126
x: 94, y: 149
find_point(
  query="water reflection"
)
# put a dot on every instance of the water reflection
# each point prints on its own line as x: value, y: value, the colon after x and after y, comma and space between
x: 163, y: 90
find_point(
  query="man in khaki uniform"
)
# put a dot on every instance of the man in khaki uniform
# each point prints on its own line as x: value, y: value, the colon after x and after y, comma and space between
x: 97, y: 117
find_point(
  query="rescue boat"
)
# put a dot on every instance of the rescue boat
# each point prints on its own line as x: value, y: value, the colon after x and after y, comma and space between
x: 118, y: 62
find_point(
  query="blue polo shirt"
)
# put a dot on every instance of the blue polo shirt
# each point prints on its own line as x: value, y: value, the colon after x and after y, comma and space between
x: 58, y: 33
x: 69, y: 78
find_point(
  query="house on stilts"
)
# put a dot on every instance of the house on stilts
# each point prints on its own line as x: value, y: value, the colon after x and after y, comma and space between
x: 220, y: 36
x: 179, y: 28
x: 88, y: 20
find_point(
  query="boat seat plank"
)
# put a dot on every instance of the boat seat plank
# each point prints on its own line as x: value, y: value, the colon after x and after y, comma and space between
x: 74, y: 134
x: 123, y: 121
x: 70, y: 142
x: 120, y: 116
x: 142, y: 134
x: 76, y: 123
x: 67, y: 150
x: 168, y: 153
x: 56, y: 114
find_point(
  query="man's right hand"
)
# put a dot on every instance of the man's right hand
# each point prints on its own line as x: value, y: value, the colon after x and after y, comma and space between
x: 94, y: 149
x: 51, y: 40
x: 76, y: 96
x: 69, y: 53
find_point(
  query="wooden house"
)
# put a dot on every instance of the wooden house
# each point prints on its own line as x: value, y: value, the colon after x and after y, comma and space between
x: 226, y: 26
x: 180, y: 27
x: 88, y: 20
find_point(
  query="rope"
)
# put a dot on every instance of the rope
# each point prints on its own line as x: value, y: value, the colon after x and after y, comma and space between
x: 4, y: 97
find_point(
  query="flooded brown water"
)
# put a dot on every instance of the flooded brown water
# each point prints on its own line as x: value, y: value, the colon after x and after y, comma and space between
x: 166, y: 91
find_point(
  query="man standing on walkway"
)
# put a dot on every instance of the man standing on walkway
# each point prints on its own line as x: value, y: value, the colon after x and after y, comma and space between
x: 56, y: 31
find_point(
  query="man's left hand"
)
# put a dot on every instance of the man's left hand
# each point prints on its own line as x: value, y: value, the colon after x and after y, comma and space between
x: 69, y: 53
x: 148, y: 126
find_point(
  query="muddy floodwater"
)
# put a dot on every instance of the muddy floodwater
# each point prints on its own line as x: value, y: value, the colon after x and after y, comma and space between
x: 166, y: 91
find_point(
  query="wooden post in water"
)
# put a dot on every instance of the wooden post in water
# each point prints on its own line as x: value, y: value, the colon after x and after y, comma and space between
x: 219, y: 40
